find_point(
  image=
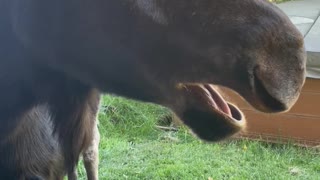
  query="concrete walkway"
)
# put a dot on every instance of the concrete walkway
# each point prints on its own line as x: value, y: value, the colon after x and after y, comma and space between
x: 305, y: 14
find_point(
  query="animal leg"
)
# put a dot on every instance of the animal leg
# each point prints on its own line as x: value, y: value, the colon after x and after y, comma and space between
x: 91, y: 155
x: 72, y: 174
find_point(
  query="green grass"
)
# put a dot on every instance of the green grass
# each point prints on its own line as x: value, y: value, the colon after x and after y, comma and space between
x: 132, y: 148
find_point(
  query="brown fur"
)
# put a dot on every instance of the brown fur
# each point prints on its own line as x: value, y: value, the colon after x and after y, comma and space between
x: 55, y: 52
x: 33, y: 151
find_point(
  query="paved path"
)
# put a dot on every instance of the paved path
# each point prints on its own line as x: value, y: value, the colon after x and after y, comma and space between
x: 305, y: 14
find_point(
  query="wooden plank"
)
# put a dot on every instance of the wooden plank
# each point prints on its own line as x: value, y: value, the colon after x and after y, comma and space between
x: 301, y: 124
x: 312, y: 85
x: 308, y: 104
x: 284, y: 126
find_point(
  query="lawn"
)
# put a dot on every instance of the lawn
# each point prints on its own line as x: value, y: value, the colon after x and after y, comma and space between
x: 133, y: 148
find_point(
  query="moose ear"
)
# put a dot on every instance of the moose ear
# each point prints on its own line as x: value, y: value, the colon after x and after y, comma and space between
x: 151, y: 9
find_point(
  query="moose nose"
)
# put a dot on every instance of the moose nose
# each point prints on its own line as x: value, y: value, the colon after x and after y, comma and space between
x: 280, y: 87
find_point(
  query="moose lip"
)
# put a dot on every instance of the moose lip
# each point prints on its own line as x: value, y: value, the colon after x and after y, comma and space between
x: 268, y: 102
x: 208, y: 95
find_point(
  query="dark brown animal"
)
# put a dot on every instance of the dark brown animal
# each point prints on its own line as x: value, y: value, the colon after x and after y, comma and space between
x: 159, y: 51
x: 33, y: 151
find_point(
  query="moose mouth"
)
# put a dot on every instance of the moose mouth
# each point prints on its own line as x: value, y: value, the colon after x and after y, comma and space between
x: 209, y: 115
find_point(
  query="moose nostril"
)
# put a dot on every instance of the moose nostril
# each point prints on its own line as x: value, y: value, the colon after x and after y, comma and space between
x: 270, y: 102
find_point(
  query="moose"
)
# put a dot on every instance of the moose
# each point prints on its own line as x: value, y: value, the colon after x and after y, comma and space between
x: 37, y: 151
x: 167, y: 52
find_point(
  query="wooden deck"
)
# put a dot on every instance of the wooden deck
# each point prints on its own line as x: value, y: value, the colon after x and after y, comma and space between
x: 301, y: 125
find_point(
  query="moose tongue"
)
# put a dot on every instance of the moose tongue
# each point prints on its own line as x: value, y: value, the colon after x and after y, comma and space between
x: 210, y: 96
x: 220, y: 102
